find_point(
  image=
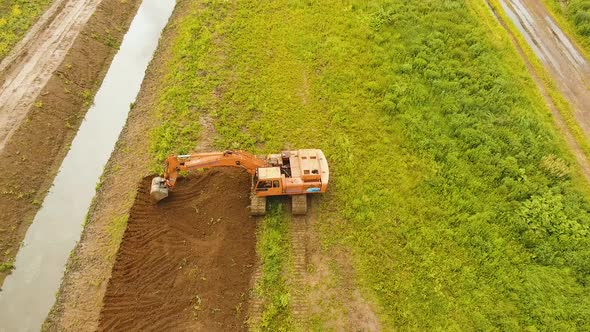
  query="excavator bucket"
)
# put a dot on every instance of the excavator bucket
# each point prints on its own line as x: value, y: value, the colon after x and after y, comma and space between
x: 159, y: 190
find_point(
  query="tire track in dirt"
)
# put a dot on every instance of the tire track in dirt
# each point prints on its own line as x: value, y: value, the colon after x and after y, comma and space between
x: 32, y: 63
x: 256, y: 304
x: 296, y: 279
x: 185, y: 263
x: 20, y: 49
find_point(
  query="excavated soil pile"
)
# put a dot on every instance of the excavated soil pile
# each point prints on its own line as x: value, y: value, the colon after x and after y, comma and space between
x: 186, y: 262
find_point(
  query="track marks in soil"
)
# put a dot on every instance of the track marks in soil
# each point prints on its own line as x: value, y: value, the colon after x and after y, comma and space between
x: 299, y: 240
x: 255, y: 302
x: 333, y: 300
x: 185, y: 263
x: 321, y: 282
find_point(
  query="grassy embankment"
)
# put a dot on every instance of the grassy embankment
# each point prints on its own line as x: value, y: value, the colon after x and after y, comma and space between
x: 451, y: 185
x: 16, y: 16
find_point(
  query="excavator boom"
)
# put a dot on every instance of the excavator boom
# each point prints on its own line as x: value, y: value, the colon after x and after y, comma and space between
x: 189, y: 162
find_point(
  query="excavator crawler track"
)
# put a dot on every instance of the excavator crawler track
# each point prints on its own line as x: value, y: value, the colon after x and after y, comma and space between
x: 299, y: 205
x: 257, y: 205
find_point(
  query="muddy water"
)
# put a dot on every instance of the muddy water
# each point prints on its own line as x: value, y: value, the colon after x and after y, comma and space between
x: 29, y: 292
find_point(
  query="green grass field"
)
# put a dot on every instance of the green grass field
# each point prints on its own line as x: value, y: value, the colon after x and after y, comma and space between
x: 16, y: 16
x: 460, y: 203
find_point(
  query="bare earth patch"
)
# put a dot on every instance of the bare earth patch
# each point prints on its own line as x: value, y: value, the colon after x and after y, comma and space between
x: 186, y: 262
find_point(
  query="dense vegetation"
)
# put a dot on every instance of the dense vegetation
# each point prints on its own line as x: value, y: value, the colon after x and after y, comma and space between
x: 16, y: 16
x: 450, y: 183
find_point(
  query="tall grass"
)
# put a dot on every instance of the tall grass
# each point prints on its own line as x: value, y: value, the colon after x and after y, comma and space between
x: 578, y: 12
x: 451, y: 185
x: 16, y: 16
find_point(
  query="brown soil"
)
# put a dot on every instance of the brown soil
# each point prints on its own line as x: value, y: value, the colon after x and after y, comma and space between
x: 32, y: 156
x: 185, y: 263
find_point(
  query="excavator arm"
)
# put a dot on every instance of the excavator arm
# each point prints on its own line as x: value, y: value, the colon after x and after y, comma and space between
x: 191, y: 162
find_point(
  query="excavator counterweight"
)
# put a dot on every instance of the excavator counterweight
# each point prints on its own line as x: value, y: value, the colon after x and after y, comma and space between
x: 289, y: 173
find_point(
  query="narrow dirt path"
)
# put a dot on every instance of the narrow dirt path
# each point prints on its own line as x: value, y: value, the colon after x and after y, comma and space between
x: 32, y: 63
x: 331, y: 298
x: 567, y: 66
x: 256, y: 303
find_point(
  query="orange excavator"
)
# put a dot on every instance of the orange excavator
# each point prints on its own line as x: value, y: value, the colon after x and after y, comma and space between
x: 291, y: 173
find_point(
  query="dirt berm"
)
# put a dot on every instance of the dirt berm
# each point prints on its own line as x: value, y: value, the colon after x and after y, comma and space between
x: 186, y: 262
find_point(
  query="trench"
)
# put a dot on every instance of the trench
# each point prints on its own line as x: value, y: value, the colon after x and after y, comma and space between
x: 29, y: 292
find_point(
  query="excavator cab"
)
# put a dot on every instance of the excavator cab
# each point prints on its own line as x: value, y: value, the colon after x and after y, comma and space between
x: 267, y: 181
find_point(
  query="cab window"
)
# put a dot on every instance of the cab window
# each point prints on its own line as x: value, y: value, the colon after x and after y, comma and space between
x: 275, y: 184
x: 263, y: 185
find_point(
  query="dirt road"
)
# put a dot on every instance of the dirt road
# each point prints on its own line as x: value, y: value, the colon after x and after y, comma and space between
x: 33, y: 61
x: 568, y: 68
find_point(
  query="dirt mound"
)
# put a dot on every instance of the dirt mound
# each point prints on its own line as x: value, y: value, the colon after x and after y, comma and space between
x: 186, y: 262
